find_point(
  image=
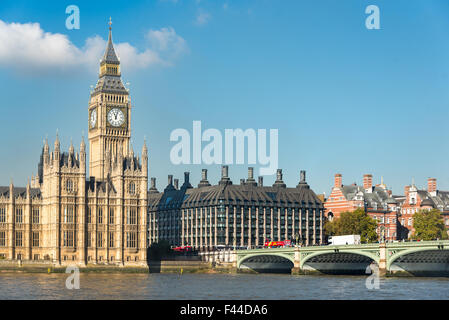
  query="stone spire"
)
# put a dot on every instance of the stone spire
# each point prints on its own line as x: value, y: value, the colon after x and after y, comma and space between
x: 11, y: 190
x: 145, y: 157
x: 71, y: 148
x: 83, y: 155
x: 57, y: 143
x: 57, y: 151
x: 131, y: 150
x: 109, y: 54
x: 46, y: 147
x: 82, y: 146
x: 46, y: 153
x: 144, y: 147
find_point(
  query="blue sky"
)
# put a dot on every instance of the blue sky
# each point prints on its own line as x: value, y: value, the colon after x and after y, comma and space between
x: 345, y: 99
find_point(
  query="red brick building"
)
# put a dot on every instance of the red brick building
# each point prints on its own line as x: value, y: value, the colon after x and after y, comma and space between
x: 377, y: 201
x: 416, y: 200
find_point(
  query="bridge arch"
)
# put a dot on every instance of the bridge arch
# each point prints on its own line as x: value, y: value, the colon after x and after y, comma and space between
x: 336, y: 251
x: 266, y: 261
x: 438, y: 255
x: 338, y: 261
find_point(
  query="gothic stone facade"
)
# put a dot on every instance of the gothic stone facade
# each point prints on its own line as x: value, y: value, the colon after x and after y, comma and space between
x: 65, y: 217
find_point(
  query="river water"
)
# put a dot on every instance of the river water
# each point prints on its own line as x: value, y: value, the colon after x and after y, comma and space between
x: 217, y: 286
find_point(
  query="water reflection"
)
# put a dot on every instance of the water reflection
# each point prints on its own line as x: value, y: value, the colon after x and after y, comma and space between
x: 209, y: 286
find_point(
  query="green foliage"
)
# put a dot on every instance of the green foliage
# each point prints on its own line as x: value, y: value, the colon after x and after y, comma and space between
x: 429, y: 225
x: 158, y: 250
x: 355, y: 222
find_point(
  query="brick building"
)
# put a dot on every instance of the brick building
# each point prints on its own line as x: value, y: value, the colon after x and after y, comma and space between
x: 417, y: 199
x: 377, y: 201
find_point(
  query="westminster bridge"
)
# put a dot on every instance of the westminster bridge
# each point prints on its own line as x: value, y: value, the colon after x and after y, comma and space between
x: 411, y: 258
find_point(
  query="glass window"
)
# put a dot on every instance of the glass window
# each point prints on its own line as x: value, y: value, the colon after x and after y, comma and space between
x: 18, y: 238
x: 35, y: 215
x: 19, y: 215
x: 2, y: 214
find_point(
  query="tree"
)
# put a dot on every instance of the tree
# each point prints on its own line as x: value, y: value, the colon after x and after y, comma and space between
x: 355, y: 222
x: 429, y: 225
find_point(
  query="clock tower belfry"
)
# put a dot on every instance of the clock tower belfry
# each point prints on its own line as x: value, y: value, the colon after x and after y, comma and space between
x: 109, y: 114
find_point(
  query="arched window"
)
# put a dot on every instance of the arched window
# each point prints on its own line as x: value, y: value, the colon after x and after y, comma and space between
x: 132, y: 188
x: 69, y: 185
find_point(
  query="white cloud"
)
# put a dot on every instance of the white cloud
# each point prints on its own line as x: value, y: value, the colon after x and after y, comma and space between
x: 202, y: 18
x: 26, y: 47
x: 166, y: 41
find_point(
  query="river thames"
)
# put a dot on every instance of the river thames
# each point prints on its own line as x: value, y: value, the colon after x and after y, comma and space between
x: 217, y: 286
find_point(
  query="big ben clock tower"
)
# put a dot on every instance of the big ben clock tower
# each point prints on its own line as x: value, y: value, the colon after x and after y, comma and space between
x: 109, y: 114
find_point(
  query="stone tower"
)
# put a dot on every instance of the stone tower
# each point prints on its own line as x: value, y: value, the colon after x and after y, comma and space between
x: 109, y: 114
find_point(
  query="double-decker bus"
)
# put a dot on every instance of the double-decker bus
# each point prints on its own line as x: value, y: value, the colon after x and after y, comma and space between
x: 183, y: 249
x: 278, y: 244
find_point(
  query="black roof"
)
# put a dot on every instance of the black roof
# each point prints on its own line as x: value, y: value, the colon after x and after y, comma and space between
x: 230, y: 194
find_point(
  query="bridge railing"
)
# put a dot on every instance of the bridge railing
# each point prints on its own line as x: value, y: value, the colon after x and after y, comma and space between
x: 349, y: 246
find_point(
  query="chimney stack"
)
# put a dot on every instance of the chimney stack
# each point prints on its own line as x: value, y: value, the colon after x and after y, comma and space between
x: 224, y: 176
x: 170, y: 179
x: 431, y: 185
x: 302, y: 180
x: 176, y: 184
x: 203, y: 182
x: 186, y: 177
x: 250, y: 180
x: 302, y: 175
x: 279, y: 182
x: 153, y: 188
x: 338, y: 181
x: 367, y: 181
x: 224, y: 172
x: 406, y: 190
x: 250, y: 173
x: 260, y: 181
x: 279, y: 174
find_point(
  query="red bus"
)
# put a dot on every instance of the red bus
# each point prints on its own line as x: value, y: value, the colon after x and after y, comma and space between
x: 278, y: 244
x: 183, y: 249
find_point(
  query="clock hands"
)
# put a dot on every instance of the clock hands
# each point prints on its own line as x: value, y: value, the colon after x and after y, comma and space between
x: 116, y: 117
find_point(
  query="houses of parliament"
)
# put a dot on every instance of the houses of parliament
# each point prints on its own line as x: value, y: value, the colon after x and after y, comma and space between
x: 64, y: 216
x: 110, y: 217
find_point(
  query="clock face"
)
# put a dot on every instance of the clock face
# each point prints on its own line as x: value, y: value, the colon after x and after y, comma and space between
x: 93, y: 118
x: 116, y: 117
